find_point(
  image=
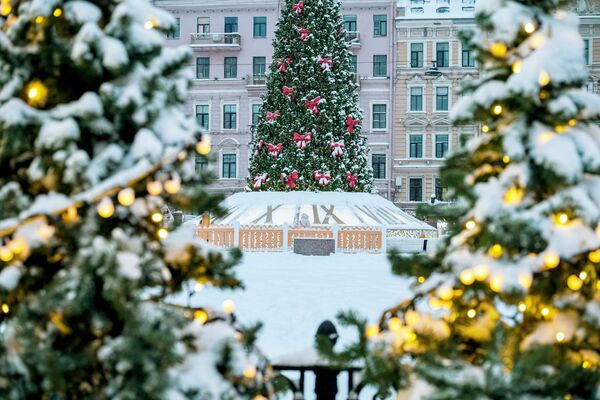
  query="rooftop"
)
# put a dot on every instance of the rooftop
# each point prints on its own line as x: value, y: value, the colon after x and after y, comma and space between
x: 427, y: 9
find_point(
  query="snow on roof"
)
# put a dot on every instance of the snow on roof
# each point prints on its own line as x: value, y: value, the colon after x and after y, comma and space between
x: 320, y: 209
x: 438, y: 9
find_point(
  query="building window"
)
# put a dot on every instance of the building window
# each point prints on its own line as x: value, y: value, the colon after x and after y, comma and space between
x: 441, y: 146
x: 230, y: 67
x: 350, y: 23
x: 464, y: 138
x: 380, y: 65
x: 354, y: 63
x: 203, y: 25
x: 416, y: 99
x: 175, y: 32
x: 379, y: 116
x: 415, y: 189
x: 255, y: 113
x: 378, y: 163
x: 468, y: 55
x: 229, y: 161
x: 260, y: 27
x: 202, y: 67
x: 379, y: 25
x: 440, y: 191
x: 441, y: 99
x: 259, y: 66
x: 416, y: 55
x: 201, y: 163
x: 416, y: 146
x: 586, y: 51
x: 202, y: 116
x: 231, y: 24
x: 229, y: 116
x: 442, y: 51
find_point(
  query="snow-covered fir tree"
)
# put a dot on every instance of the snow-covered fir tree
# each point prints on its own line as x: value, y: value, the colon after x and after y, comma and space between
x: 94, y: 143
x: 508, y: 307
x: 309, y: 134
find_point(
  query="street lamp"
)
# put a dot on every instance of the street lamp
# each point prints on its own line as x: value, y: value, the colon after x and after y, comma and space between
x: 433, y: 70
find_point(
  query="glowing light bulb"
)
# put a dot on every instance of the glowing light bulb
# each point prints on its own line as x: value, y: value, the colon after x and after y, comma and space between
x: 126, y: 197
x: 412, y: 317
x: 537, y: 41
x: 39, y: 19
x: 544, y: 78
x: 421, y: 279
x: 446, y: 293
x: 525, y: 279
x: 70, y: 215
x: 522, y: 307
x: 198, y: 287
x: 551, y: 260
x: 203, y: 146
x: 57, y: 12
x: 574, y: 282
x: 481, y: 272
x: 156, y: 217
x: 5, y: 9
x: 485, y: 129
x: 496, y: 251
x: 470, y: 224
x: 497, y: 110
x: 583, y: 275
x: 529, y: 27
x: 561, y: 128
x: 506, y: 159
x: 45, y: 231
x: 496, y: 283
x: 6, y: 254
x: 467, y: 277
x: 586, y: 364
x: 498, y: 49
x: 435, y: 303
x: 172, y: 186
x: 394, y: 324
x: 154, y: 188
x: 151, y: 23
x: 228, y: 306
x: 572, y: 122
x: 560, y: 336
x: 201, y: 316
x: 106, y: 208
x: 545, y: 311
x: 162, y: 233
x: 471, y: 313
x: 545, y: 137
x: 562, y: 218
x: 249, y: 372
x: 514, y: 196
x: 182, y: 155
x: 594, y: 256
x: 372, y: 330
x: 17, y: 245
x: 36, y: 93
x: 517, y: 67
x: 5, y: 308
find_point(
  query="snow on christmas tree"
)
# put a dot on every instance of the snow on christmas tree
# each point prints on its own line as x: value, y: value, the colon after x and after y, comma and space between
x: 309, y: 134
x: 93, y: 144
x: 508, y: 307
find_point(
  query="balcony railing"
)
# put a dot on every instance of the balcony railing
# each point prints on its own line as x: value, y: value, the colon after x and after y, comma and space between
x: 212, y: 41
x: 256, y: 80
x: 354, y: 38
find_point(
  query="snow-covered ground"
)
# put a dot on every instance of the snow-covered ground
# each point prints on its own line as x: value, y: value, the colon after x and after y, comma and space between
x: 293, y: 294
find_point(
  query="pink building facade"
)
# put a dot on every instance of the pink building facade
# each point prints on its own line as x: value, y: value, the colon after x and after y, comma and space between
x: 232, y: 48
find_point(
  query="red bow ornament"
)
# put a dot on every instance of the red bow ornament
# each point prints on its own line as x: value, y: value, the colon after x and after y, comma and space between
x: 260, y: 144
x: 259, y: 180
x: 288, y: 91
x: 323, y: 177
x: 352, y: 179
x: 274, y: 150
x: 351, y: 123
x: 302, y: 140
x: 337, y: 147
x: 292, y: 179
x: 283, y: 64
x: 272, y: 116
x: 313, y: 105
x: 326, y: 63
x: 298, y: 7
x: 304, y: 32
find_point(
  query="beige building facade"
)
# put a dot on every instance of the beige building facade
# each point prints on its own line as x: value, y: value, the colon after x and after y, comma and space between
x: 428, y: 33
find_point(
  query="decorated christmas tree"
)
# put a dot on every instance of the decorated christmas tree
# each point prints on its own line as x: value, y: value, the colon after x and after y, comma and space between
x: 508, y: 306
x: 94, y: 142
x: 309, y: 134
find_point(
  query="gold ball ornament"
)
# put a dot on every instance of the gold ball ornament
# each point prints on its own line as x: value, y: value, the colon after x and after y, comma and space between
x: 106, y: 208
x: 36, y: 93
x: 154, y: 188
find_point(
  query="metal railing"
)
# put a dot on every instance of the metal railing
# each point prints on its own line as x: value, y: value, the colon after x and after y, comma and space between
x: 215, y: 39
